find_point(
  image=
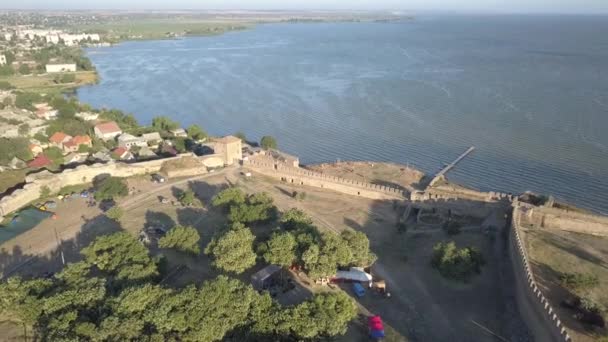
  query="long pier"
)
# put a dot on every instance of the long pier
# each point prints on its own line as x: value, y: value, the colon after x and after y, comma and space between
x: 450, y: 166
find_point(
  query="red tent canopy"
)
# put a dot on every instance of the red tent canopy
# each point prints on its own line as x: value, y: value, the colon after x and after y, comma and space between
x: 375, y: 323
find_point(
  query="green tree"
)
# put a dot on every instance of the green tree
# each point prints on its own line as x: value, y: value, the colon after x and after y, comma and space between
x: 358, y: 243
x: 120, y: 255
x: 294, y: 218
x: 257, y: 208
x: 228, y: 197
x: 268, y: 142
x: 41, y: 137
x: 187, y: 198
x: 14, y: 147
x: 280, y: 249
x: 55, y: 154
x: 241, y: 136
x: 196, y: 132
x: 115, y: 213
x: 24, y: 69
x: 45, y: 192
x: 163, y: 123
x: 326, y: 314
x: 454, y: 263
x: 181, y: 238
x: 24, y: 129
x: 4, y: 85
x: 232, y: 251
x: 10, y: 57
x: 22, y: 300
x: 110, y: 188
x: 73, y: 126
x: 6, y: 70
x: 27, y: 100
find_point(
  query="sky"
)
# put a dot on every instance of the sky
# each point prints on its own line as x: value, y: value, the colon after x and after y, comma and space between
x: 501, y: 6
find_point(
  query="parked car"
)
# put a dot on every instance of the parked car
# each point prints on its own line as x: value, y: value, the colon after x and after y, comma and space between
x: 158, y: 178
x: 358, y: 289
x: 50, y: 205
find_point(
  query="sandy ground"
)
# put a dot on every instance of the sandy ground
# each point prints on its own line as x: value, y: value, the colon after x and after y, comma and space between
x: 423, y: 306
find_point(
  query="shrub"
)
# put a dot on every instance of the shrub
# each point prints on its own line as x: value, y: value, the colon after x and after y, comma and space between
x: 454, y: 263
x: 268, y: 142
x: 187, y: 198
x: 115, y: 213
x: 4, y: 85
x: 110, y: 188
x: 578, y: 281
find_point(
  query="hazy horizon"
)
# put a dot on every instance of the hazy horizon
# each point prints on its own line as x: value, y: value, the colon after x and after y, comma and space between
x: 468, y: 6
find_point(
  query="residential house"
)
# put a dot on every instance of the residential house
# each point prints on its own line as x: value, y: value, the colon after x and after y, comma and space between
x: 17, y: 163
x: 107, y: 130
x: 59, y: 138
x: 52, y: 68
x: 73, y: 145
x: 39, y: 162
x: 152, y: 138
x: 179, y: 133
x: 44, y: 111
x: 146, y: 153
x: 101, y: 156
x: 168, y: 150
x: 74, y: 158
x: 87, y: 116
x: 122, y: 153
x: 127, y: 140
x: 36, y: 149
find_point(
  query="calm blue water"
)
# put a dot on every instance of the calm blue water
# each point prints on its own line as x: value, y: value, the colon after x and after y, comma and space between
x: 531, y: 93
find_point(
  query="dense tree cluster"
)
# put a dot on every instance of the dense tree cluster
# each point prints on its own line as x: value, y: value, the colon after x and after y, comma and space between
x: 114, y: 295
x: 454, y: 263
x: 164, y: 124
x: 244, y: 208
x: 320, y: 253
x: 182, y: 238
x: 25, y: 100
x: 14, y: 147
x: 196, y: 132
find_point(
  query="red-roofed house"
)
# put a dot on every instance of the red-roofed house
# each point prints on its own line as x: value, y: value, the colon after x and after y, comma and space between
x: 122, y: 153
x: 40, y: 161
x: 59, y: 138
x: 107, y: 130
x: 74, y: 144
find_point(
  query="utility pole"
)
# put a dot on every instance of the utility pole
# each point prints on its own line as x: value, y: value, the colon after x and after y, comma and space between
x: 59, y: 246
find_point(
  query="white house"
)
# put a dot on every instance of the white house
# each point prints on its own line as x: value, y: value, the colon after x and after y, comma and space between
x: 127, y: 140
x: 50, y: 68
x: 179, y: 133
x: 87, y: 116
x: 2, y: 60
x: 107, y: 130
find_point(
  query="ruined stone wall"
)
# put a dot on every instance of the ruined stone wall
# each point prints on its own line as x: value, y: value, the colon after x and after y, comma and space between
x: 300, y: 176
x: 540, y: 312
x: 448, y: 193
x: 81, y: 174
x: 554, y: 218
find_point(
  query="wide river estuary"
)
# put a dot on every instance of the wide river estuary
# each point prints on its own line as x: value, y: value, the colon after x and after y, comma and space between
x: 531, y: 93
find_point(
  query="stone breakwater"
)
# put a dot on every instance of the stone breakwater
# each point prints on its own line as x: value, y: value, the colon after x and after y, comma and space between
x: 528, y: 287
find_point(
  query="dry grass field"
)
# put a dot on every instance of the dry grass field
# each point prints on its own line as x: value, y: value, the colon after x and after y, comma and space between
x: 553, y: 252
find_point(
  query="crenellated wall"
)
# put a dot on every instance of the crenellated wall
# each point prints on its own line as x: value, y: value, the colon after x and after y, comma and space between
x: 300, y: 176
x: 541, y: 312
x: 568, y: 220
x: 79, y: 175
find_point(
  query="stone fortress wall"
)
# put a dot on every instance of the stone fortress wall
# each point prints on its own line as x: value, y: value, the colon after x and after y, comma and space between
x: 298, y: 176
x: 568, y: 220
x: 528, y: 290
x: 79, y: 175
